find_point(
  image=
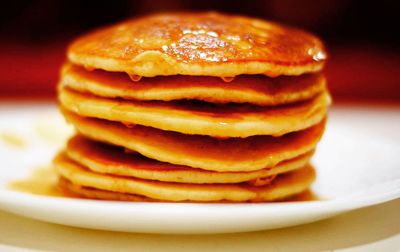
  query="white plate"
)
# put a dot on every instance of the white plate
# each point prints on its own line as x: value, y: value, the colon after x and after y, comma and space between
x: 358, y: 165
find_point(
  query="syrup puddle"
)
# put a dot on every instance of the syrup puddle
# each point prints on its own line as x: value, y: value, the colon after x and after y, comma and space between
x: 42, y: 181
x: 13, y: 140
x: 307, y: 195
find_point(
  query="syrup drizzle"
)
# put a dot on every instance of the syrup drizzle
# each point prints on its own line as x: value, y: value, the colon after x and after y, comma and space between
x: 128, y: 125
x: 228, y: 79
x: 205, y: 37
x: 88, y: 68
x: 135, y: 77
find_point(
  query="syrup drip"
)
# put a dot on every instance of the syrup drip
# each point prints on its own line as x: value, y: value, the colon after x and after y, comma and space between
x: 89, y: 68
x: 128, y: 151
x: 227, y: 79
x: 129, y: 125
x: 262, y: 181
x: 271, y: 74
x: 135, y: 77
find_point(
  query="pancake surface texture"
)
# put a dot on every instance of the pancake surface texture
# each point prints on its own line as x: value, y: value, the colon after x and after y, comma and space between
x: 232, y: 154
x: 207, y: 44
x: 283, y: 186
x: 192, y: 107
x: 253, y: 89
x: 201, y: 119
x: 102, y: 158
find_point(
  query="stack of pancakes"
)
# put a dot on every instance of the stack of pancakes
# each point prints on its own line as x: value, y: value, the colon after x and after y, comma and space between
x: 200, y: 107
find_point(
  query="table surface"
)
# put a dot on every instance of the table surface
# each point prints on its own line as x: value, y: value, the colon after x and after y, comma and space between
x: 375, y: 228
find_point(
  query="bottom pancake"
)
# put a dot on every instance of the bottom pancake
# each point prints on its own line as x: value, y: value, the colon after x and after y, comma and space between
x: 283, y: 186
x: 93, y: 193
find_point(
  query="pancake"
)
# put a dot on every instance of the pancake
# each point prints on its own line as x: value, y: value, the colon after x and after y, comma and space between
x: 102, y: 158
x: 92, y: 193
x: 254, y: 89
x: 283, y: 186
x: 201, y: 44
x: 230, y: 120
x: 232, y: 154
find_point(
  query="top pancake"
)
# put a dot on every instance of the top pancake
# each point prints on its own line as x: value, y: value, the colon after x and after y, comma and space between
x: 207, y: 44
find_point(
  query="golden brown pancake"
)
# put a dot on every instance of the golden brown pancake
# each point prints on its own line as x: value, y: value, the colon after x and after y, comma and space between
x: 254, y: 89
x: 232, y: 154
x: 93, y: 193
x: 103, y: 158
x: 283, y: 186
x: 206, y: 44
x: 229, y: 120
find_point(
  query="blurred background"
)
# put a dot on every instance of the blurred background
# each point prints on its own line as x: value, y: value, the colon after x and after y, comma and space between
x: 362, y: 38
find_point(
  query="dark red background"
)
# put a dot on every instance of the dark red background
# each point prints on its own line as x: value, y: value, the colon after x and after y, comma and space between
x: 362, y: 38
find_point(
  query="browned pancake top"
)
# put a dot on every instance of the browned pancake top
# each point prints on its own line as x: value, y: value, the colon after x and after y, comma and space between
x: 203, y: 38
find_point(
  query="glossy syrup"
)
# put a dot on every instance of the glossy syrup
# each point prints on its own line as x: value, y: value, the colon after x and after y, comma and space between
x: 42, y: 181
x: 204, y: 37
